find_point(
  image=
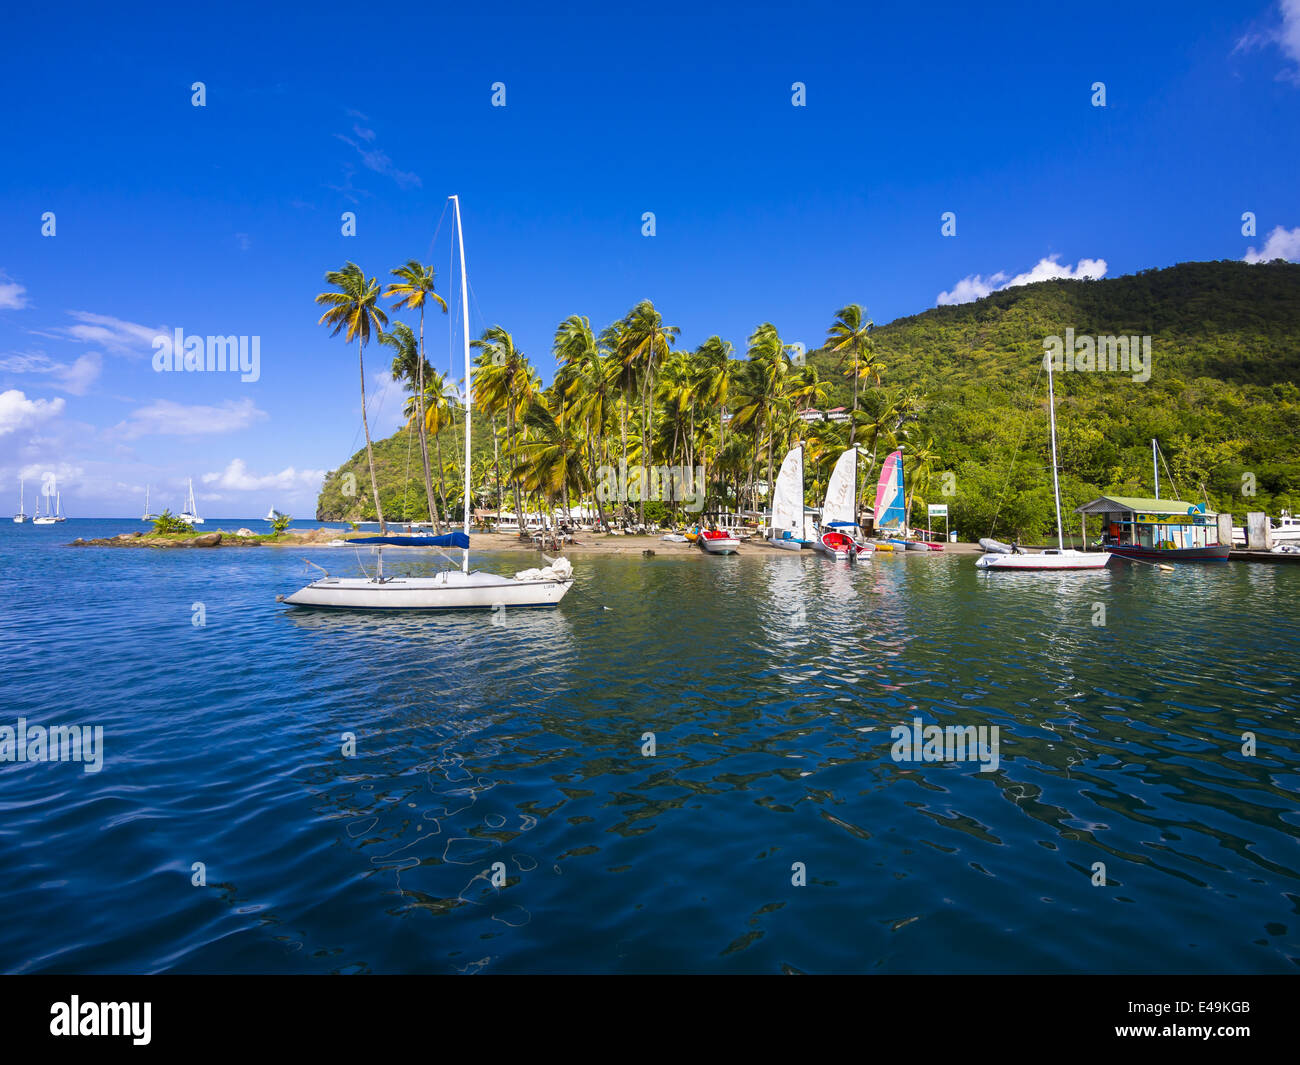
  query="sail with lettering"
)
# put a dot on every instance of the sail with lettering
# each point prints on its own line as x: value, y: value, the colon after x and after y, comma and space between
x: 841, y: 504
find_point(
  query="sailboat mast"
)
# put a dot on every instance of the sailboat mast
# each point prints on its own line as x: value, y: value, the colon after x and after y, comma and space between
x: 1056, y: 484
x: 1155, y: 466
x: 469, y: 373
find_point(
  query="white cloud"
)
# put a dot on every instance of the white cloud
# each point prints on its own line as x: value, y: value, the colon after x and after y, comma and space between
x: 976, y: 286
x: 165, y: 418
x: 18, y: 412
x: 113, y: 334
x: 236, y: 477
x: 75, y: 377
x: 1281, y: 244
x: 1286, y: 36
x: 13, y: 296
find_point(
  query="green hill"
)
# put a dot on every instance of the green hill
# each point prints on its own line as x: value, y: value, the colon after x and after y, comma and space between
x: 1222, y: 398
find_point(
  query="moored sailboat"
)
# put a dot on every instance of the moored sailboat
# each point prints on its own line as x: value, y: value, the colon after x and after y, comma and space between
x: 190, y: 515
x: 451, y: 589
x: 1059, y: 557
x: 21, y: 516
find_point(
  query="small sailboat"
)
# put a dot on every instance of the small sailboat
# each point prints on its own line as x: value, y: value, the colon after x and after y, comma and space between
x: 190, y: 515
x: 890, y: 509
x: 273, y: 515
x: 21, y: 516
x: 787, y: 528
x: 451, y: 589
x: 148, y: 514
x: 839, y: 532
x: 1052, y: 558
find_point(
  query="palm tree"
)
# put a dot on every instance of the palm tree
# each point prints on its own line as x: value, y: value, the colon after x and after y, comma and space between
x: 413, y: 287
x: 587, y: 381
x: 354, y: 309
x: 644, y: 342
x: 764, y: 393
x: 504, y: 384
x: 408, y: 368
x: 851, y: 335
x: 717, y: 374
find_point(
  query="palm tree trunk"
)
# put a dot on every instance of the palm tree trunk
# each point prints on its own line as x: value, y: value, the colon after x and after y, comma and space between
x: 514, y: 466
x: 496, y: 462
x: 442, y: 481
x: 853, y: 421
x: 424, y: 439
x: 365, y: 424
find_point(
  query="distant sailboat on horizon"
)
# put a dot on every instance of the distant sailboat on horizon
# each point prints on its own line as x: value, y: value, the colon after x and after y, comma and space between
x: 50, y: 517
x: 190, y: 515
x: 148, y: 515
x: 21, y: 516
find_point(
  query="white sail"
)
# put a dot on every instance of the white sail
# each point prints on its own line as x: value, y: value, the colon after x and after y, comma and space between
x: 841, y: 492
x: 787, y: 496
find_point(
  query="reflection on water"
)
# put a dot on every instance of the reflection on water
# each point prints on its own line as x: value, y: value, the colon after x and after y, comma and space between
x: 438, y: 792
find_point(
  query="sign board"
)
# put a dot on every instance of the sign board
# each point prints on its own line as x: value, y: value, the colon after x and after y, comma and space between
x: 937, y: 510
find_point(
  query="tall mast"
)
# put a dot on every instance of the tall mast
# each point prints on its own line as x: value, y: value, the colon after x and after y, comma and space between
x: 469, y: 373
x: 1155, y: 466
x: 1056, y: 484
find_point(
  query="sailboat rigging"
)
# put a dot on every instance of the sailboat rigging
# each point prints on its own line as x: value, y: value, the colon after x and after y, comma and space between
x: 451, y: 589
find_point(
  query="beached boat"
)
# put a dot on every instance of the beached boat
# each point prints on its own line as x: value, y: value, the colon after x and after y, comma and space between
x: 786, y: 530
x: 1055, y: 558
x: 839, y: 535
x: 21, y: 516
x: 718, y: 542
x: 190, y: 515
x: 890, y: 512
x: 451, y: 589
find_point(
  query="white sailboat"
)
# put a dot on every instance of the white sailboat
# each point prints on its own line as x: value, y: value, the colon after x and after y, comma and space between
x: 787, y: 528
x: 21, y: 516
x: 148, y: 514
x: 838, y: 539
x: 451, y: 589
x: 190, y: 515
x: 1052, y: 558
x: 50, y: 517
x: 273, y: 515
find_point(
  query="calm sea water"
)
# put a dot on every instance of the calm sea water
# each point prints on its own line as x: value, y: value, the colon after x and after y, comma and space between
x: 770, y: 685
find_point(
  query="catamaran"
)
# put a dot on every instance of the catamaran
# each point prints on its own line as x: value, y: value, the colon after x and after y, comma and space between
x: 839, y: 530
x: 190, y: 515
x: 451, y: 589
x: 21, y: 516
x: 50, y: 517
x: 1053, y: 558
x: 787, y: 528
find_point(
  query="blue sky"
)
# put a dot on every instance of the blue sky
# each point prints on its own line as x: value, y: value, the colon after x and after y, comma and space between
x: 222, y: 219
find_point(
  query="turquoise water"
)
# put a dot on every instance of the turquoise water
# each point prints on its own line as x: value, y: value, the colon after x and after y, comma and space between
x: 770, y: 683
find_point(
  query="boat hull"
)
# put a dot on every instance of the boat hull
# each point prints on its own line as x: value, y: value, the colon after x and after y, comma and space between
x: 839, y: 548
x: 1210, y: 553
x: 721, y: 545
x: 452, y: 590
x: 1043, y: 561
x: 786, y: 544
